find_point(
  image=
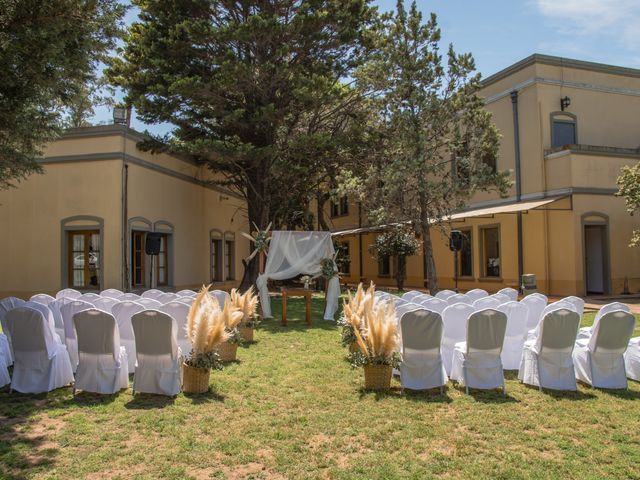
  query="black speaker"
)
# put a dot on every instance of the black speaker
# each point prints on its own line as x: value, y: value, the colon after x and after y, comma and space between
x: 455, y: 241
x: 152, y: 243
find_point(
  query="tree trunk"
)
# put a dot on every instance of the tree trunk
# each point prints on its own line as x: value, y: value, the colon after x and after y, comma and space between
x: 401, y: 272
x: 321, y: 199
x: 429, y: 263
x: 258, y: 213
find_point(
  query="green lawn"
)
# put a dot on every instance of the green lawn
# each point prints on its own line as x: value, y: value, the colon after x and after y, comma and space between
x: 293, y: 408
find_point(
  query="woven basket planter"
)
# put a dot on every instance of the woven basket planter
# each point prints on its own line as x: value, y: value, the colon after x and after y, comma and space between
x: 377, y: 377
x: 246, y: 333
x: 227, y: 351
x: 195, y: 380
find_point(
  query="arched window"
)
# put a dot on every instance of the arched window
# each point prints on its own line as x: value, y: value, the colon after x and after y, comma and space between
x: 215, y: 251
x: 564, y: 129
x: 164, y: 260
x: 229, y: 256
x: 82, y: 253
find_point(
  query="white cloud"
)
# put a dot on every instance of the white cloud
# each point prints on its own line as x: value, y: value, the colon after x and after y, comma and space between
x: 617, y: 20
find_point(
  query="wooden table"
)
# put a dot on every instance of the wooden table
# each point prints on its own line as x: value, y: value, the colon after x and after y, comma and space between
x: 296, y: 292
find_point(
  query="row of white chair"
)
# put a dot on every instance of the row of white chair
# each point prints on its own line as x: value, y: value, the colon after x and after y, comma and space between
x: 42, y: 362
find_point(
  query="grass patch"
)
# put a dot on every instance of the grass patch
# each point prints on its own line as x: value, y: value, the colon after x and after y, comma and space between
x: 291, y: 407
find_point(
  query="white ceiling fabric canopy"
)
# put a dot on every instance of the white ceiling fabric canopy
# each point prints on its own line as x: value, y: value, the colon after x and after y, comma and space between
x: 293, y: 253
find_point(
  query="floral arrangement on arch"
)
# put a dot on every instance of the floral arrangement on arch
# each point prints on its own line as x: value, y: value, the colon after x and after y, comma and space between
x: 260, y: 239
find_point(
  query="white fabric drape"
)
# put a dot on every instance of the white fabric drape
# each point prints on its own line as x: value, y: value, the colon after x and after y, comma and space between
x: 298, y: 253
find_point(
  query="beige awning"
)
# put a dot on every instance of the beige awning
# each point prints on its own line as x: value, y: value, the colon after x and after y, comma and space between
x: 480, y: 212
x: 498, y: 209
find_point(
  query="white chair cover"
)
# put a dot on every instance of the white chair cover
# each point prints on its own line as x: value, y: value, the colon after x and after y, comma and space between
x: 444, y: 294
x: 459, y: 298
x: 56, y: 311
x: 408, y: 296
x: 103, y: 363
x: 454, y: 318
x: 632, y: 359
x: 153, y: 293
x: 129, y: 297
x: 476, y: 294
x: 294, y: 253
x: 149, y: 303
x: 221, y: 296
x: 435, y: 304
x: 501, y: 297
x: 486, y: 302
x: 68, y: 293
x: 179, y: 312
x: 423, y: 297
x: 42, y: 298
x: 48, y: 315
x: 578, y: 302
x: 476, y: 362
x: 41, y: 362
x: 515, y: 335
x: 536, y: 305
x: 70, y: 338
x: 167, y: 297
x: 511, y: 293
x: 105, y: 303
x: 186, y: 300
x: 404, y: 307
x: 599, y: 360
x: 111, y: 293
x: 6, y: 305
x: 585, y: 332
x: 421, y: 366
x: 89, y: 297
x: 186, y: 293
x: 5, y: 351
x: 123, y: 312
x: 547, y: 356
x: 5, y: 379
x: 159, y: 357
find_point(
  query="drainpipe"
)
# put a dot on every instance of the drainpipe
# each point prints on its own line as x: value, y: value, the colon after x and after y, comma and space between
x: 516, y: 141
x: 125, y: 213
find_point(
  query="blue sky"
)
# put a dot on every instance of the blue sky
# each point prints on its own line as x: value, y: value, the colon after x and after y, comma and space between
x: 501, y: 32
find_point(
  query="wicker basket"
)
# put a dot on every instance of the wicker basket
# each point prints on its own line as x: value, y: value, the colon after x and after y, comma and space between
x: 353, y: 347
x: 195, y: 380
x: 377, y: 377
x: 246, y: 333
x: 228, y: 351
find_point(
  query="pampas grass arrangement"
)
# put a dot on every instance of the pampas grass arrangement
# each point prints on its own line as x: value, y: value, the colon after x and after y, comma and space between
x: 374, y: 331
x: 231, y: 317
x: 353, y: 314
x: 247, y: 304
x: 205, y: 330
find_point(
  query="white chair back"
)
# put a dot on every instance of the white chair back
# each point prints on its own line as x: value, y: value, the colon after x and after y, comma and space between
x: 536, y: 306
x: 515, y: 334
x: 405, y: 307
x: 167, y: 297
x: 149, y: 303
x: 476, y: 294
x: 105, y: 303
x: 186, y: 293
x: 578, y: 302
x: 559, y: 304
x: 455, y: 319
x: 435, y: 304
x: 68, y: 311
x: 612, y: 333
x: 511, y: 293
x: 501, y: 297
x: 42, y: 298
x: 111, y: 293
x: 459, y: 298
x: 46, y: 312
x: 539, y: 295
x: 485, y: 331
x: 422, y: 298
x: 129, y: 297
x: 486, y: 302
x: 155, y: 333
x: 68, y: 293
x: 408, y: 296
x: 32, y: 338
x: 56, y: 311
x: 97, y: 333
x: 444, y: 294
x: 123, y: 311
x: 221, y: 296
x: 610, y: 307
x: 179, y: 312
x: 557, y: 331
x: 89, y: 297
x: 153, y: 293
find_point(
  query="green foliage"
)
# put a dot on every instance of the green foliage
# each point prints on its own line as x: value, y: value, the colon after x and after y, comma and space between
x: 437, y: 143
x: 234, y: 336
x: 204, y: 361
x: 49, y: 51
x: 629, y: 188
x: 397, y: 242
x: 359, y: 359
x: 328, y: 268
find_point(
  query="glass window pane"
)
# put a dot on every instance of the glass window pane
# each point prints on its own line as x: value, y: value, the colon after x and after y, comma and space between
x: 564, y: 133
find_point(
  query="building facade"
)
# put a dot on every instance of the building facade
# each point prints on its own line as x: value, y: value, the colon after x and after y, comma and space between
x: 83, y: 223
x: 567, y: 129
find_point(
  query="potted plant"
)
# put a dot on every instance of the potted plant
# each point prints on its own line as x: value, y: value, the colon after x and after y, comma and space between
x: 352, y: 315
x: 246, y: 303
x: 231, y: 317
x: 377, y: 342
x: 206, y: 330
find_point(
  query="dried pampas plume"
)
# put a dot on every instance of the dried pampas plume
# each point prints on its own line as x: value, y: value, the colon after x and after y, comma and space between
x: 205, y: 323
